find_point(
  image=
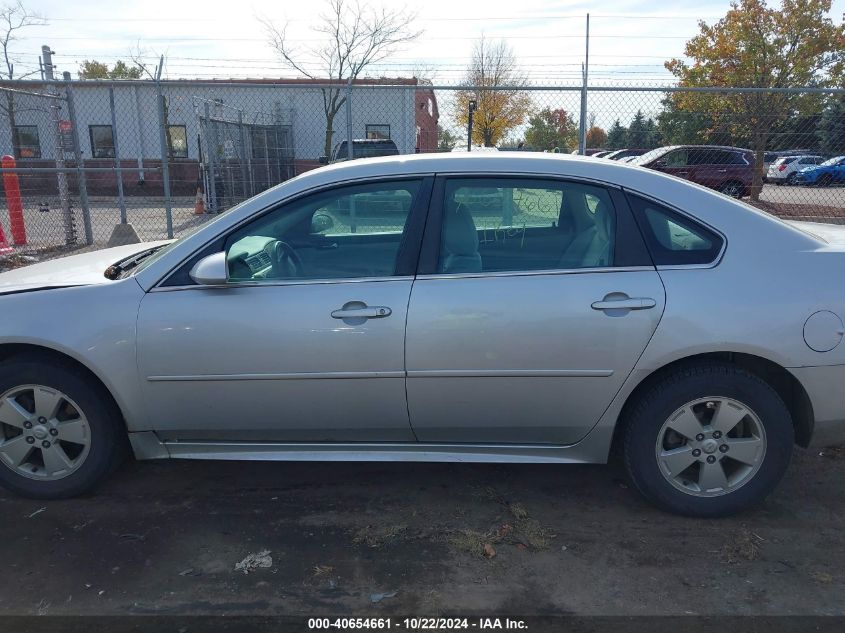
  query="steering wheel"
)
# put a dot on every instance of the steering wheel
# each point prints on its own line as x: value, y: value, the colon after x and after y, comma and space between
x: 286, y: 261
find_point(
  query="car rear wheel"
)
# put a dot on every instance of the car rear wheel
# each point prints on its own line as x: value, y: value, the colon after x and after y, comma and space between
x: 733, y: 188
x: 790, y: 179
x: 60, y: 434
x: 707, y: 440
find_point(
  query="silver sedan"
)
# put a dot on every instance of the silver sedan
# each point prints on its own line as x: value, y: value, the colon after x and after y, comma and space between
x: 473, y: 308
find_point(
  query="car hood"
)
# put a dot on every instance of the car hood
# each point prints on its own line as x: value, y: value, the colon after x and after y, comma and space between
x: 75, y: 270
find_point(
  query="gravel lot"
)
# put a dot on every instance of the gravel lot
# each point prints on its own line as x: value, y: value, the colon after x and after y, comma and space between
x: 166, y: 537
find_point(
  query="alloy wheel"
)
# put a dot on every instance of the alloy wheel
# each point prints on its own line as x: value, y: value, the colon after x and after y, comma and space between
x: 44, y: 435
x: 711, y: 446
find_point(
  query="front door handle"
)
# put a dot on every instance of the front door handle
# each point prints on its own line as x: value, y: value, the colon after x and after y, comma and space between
x: 357, y: 310
x: 629, y: 303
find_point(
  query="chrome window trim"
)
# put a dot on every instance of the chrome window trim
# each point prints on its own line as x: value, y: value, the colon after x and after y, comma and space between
x: 536, y: 273
x: 282, y: 282
x: 692, y: 218
x: 276, y: 204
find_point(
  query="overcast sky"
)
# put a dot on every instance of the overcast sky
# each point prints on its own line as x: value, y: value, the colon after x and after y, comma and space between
x: 630, y: 39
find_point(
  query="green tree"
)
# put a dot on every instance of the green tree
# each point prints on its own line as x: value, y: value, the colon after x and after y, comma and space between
x: 831, y: 127
x: 761, y: 47
x: 617, y: 136
x: 549, y: 129
x: 92, y: 69
x: 446, y: 141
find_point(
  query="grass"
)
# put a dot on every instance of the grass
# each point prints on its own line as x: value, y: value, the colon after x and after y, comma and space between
x: 744, y: 546
x: 520, y: 530
x: 378, y: 536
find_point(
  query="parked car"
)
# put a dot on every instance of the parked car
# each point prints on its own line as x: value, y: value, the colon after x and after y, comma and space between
x: 725, y: 169
x: 783, y: 170
x: 827, y: 173
x: 771, y: 157
x: 591, y: 151
x: 600, y: 154
x: 619, y: 154
x: 590, y: 305
x: 362, y: 148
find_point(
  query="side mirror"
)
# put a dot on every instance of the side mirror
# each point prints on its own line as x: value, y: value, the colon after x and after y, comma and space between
x: 323, y: 160
x: 321, y: 223
x: 211, y: 270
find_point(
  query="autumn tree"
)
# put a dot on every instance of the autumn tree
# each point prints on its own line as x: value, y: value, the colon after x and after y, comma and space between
x: 549, y: 129
x: 596, y: 137
x: 352, y: 37
x: 13, y: 19
x: 92, y: 69
x: 497, y: 111
x: 755, y: 46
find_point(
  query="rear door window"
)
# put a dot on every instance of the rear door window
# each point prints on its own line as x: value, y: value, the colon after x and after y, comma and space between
x: 672, y: 238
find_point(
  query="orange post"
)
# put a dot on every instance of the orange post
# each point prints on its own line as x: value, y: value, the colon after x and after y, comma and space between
x: 13, y: 199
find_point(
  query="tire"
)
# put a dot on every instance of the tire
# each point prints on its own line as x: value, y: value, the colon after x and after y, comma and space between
x: 790, y: 179
x: 722, y: 385
x: 733, y: 188
x: 87, y: 417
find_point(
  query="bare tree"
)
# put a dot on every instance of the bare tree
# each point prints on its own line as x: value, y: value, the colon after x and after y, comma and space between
x: 497, y: 111
x: 352, y: 38
x: 139, y: 54
x: 14, y: 18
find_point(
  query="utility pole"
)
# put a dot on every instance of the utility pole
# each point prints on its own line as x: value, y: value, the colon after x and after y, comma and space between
x: 472, y: 106
x: 585, y: 67
x: 61, y: 176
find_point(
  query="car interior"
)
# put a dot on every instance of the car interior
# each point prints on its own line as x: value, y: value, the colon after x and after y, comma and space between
x: 484, y: 229
x: 519, y: 228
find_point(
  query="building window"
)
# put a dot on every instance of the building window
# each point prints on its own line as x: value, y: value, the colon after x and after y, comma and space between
x: 378, y: 131
x: 177, y: 141
x: 102, y: 141
x: 25, y: 141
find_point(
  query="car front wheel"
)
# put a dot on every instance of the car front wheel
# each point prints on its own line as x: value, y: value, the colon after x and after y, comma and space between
x: 60, y: 433
x: 707, y: 440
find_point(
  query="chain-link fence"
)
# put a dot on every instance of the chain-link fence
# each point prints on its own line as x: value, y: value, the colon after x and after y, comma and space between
x: 99, y: 163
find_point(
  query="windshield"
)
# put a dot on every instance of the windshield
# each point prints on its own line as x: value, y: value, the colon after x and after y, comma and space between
x: 650, y: 156
x: 833, y: 161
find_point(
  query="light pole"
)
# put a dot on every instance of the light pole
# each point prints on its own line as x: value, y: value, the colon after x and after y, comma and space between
x: 472, y: 107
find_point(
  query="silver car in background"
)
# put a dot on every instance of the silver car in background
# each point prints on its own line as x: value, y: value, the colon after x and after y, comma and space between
x: 510, y: 307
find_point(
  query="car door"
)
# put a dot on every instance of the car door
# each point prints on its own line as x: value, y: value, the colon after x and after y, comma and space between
x: 534, y: 299
x: 305, y: 342
x: 676, y: 163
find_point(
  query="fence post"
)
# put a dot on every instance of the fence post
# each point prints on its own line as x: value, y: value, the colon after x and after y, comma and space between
x: 211, y: 159
x: 349, y: 153
x: 81, y: 181
x: 120, y: 201
x: 61, y: 176
x: 165, y: 162
x: 245, y: 163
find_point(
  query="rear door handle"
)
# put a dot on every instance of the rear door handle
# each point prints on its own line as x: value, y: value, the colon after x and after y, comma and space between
x: 364, y: 312
x: 636, y: 303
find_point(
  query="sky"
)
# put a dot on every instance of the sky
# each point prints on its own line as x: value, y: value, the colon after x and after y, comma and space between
x: 630, y: 39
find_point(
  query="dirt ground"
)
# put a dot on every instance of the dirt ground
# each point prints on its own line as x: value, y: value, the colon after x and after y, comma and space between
x: 168, y: 538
